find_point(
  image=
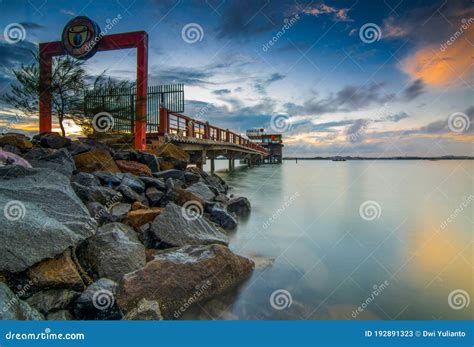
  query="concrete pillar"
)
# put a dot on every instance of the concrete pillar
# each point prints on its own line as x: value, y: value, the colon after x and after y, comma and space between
x: 213, y: 167
x: 230, y: 165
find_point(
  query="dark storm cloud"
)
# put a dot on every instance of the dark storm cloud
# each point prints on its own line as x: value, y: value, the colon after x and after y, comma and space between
x: 415, y: 89
x: 221, y: 91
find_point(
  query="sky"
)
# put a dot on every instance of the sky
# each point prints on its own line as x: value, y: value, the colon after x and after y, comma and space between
x: 360, y: 78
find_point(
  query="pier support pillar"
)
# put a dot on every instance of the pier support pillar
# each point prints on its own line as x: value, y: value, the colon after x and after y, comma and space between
x: 213, y: 167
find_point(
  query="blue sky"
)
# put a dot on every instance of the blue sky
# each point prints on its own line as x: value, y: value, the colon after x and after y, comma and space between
x: 321, y: 82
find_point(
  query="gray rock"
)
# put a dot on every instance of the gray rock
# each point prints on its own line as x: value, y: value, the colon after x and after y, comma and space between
x: 172, y: 173
x: 149, y: 160
x: 113, y: 251
x: 224, y: 219
x: 215, y: 182
x: 221, y: 198
x: 12, y: 149
x: 52, y: 140
x: 77, y: 147
x: 104, y: 195
x: 191, y: 177
x: 129, y: 195
x: 85, y: 179
x: 52, y: 300
x: 154, y: 196
x: 60, y: 315
x: 145, y: 310
x: 157, y: 183
x: 176, y: 226
x: 119, y: 212
x: 125, y: 155
x: 108, y: 179
x: 99, y: 212
x: 133, y: 182
x: 45, y: 217
x: 60, y: 160
x: 12, y: 308
x: 97, y: 302
x: 239, y: 206
x: 201, y: 190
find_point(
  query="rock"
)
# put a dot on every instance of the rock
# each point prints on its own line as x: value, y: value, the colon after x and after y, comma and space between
x: 223, y: 219
x: 78, y: 147
x: 150, y: 254
x: 149, y: 160
x: 201, y: 190
x: 59, y: 272
x: 52, y: 140
x: 48, y: 212
x: 145, y: 310
x: 175, y: 174
x: 261, y: 262
x: 105, y: 196
x: 52, y: 300
x: 198, y: 273
x: 173, y: 157
x: 60, y: 315
x: 108, y: 179
x: 14, y: 308
x: 95, y: 160
x: 113, y: 251
x: 138, y: 218
x: 97, y: 302
x: 221, y: 198
x: 85, y: 179
x: 191, y: 177
x: 18, y: 140
x: 129, y: 195
x: 137, y: 205
x: 11, y: 149
x: 119, y: 212
x: 182, y: 196
x: 154, y: 196
x: 7, y: 158
x: 133, y: 167
x: 157, y: 183
x: 126, y: 155
x: 216, y: 183
x: 133, y: 182
x: 57, y: 160
x: 99, y: 212
x: 176, y: 226
x: 239, y: 206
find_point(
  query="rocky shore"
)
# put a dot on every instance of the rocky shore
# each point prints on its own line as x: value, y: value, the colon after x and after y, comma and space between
x: 92, y: 231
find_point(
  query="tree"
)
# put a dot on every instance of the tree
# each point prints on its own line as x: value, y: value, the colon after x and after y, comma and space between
x: 67, y: 89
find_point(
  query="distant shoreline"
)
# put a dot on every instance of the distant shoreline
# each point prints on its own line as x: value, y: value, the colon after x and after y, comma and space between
x: 382, y: 158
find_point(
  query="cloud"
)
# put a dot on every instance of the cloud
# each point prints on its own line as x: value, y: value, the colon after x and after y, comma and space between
x: 397, y: 117
x: 340, y: 14
x: 441, y: 126
x: 415, y: 89
x: 32, y: 26
x: 261, y: 85
x: 355, y: 132
x: 221, y: 91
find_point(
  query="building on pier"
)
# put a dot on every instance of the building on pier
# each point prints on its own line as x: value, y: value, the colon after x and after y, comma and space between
x: 273, y: 142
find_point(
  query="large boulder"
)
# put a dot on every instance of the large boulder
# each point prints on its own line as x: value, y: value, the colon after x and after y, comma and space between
x: 145, y: 310
x: 172, y: 173
x: 133, y: 182
x: 113, y: 251
x: 59, y: 272
x: 223, y: 218
x: 103, y: 195
x: 149, y: 160
x: 157, y: 183
x: 181, y: 277
x: 85, y: 179
x: 97, y: 302
x: 95, y: 160
x: 177, y: 226
x: 239, y: 206
x: 57, y: 160
x: 134, y: 167
x: 43, y: 217
x: 78, y: 147
x: 173, y: 157
x: 140, y: 217
x: 52, y: 300
x: 17, y: 140
x: 99, y: 212
x: 13, y: 308
x: 8, y: 158
x: 154, y: 196
x: 201, y: 190
x: 108, y: 179
x: 119, y: 212
x: 52, y: 140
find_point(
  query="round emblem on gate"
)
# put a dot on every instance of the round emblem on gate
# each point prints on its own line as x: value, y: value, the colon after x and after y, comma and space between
x: 80, y: 37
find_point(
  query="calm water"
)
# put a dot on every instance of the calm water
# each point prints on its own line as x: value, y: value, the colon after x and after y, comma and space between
x: 319, y: 249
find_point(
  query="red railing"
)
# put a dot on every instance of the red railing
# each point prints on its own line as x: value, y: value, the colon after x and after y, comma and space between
x: 184, y: 126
